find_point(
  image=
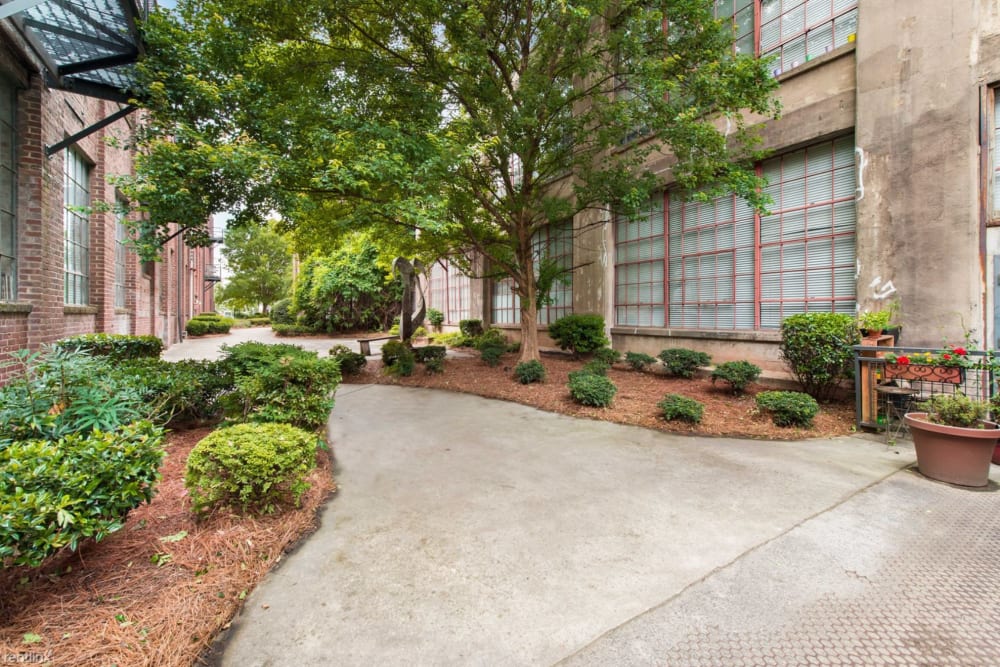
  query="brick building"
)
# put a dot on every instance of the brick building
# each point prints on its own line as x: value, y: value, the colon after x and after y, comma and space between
x: 885, y: 175
x: 65, y: 267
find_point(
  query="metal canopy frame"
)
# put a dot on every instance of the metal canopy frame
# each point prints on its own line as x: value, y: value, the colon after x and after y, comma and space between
x: 88, y: 47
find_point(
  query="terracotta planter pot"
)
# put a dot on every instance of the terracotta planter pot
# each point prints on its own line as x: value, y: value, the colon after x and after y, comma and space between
x: 951, y: 453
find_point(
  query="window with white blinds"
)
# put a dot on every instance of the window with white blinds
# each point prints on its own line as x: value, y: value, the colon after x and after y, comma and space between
x: 639, y: 267
x: 8, y: 192
x: 449, y: 291
x: 437, y: 288
x: 76, y: 227
x: 556, y: 243
x: 711, y: 252
x: 741, y: 13
x: 799, y: 30
x: 807, y: 244
x: 729, y: 268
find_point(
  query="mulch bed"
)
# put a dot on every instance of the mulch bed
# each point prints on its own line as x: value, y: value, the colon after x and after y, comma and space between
x: 635, y: 402
x: 135, y: 599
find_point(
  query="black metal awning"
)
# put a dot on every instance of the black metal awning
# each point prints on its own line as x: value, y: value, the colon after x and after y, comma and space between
x: 87, y: 46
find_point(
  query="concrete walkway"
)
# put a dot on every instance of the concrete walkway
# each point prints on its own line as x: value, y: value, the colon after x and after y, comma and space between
x: 209, y: 347
x: 476, y: 532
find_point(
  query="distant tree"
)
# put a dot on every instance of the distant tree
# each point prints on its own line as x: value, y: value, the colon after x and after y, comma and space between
x: 260, y: 261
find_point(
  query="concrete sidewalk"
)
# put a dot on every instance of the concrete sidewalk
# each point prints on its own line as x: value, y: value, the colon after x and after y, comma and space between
x: 470, y: 531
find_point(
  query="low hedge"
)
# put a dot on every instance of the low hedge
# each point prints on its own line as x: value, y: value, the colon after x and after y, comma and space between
x: 208, y: 323
x: 114, y: 346
x: 286, y: 330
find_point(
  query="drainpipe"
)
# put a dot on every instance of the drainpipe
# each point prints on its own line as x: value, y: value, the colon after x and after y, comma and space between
x: 181, y: 271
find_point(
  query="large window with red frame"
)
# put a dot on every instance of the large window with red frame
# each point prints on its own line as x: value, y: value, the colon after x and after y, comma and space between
x: 794, y: 31
x: 449, y: 292
x: 728, y: 268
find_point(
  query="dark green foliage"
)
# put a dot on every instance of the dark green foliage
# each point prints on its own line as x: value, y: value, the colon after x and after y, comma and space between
x: 56, y: 392
x: 579, y: 334
x: 250, y: 466
x: 114, y: 346
x: 683, y: 362
x: 590, y: 389
x: 818, y: 349
x: 681, y: 408
x: 260, y: 321
x: 737, y: 373
x: 638, y: 360
x: 208, y: 323
x: 434, y: 365
x: 954, y: 410
x: 281, y: 312
x: 527, y: 372
x: 280, y: 383
x: 596, y: 367
x: 346, y: 290
x: 428, y: 352
x: 55, y: 493
x: 351, y: 362
x: 492, y: 345
x: 435, y: 317
x: 291, y: 330
x: 607, y: 356
x: 788, y: 408
x: 180, y: 393
x: 397, y: 358
x: 471, y: 328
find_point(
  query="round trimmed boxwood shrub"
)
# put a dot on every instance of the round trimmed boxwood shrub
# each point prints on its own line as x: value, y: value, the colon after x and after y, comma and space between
x: 683, y: 362
x: 818, y: 349
x: 435, y: 317
x: 492, y: 345
x: 788, y: 408
x: 596, y: 367
x: 351, y: 362
x: 638, y: 361
x: 397, y: 358
x: 579, y: 333
x: 737, y: 373
x: 681, y: 408
x: 589, y: 389
x: 251, y: 466
x: 527, y: 372
x: 471, y: 328
x: 208, y: 323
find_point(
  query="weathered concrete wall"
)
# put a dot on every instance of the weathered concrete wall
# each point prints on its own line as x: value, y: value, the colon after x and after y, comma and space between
x: 918, y: 191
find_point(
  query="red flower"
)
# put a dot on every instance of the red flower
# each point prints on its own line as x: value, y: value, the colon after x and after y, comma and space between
x: 960, y: 351
x: 902, y: 360
x: 946, y: 356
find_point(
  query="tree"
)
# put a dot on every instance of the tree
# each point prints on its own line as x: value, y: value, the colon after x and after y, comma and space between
x: 260, y: 260
x: 477, y: 124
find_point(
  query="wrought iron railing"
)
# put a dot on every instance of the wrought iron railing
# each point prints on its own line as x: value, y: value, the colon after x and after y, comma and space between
x: 883, y: 390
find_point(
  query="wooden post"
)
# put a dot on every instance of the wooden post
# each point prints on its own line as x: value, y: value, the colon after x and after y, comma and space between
x: 869, y: 399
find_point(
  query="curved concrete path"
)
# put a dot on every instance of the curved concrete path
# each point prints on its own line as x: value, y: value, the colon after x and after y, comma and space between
x: 477, y: 532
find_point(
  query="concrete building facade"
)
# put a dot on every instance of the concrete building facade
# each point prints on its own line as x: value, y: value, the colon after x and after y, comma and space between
x: 65, y: 266
x: 885, y: 175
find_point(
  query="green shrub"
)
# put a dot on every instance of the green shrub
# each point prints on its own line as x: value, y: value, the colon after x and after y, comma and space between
x: 197, y: 327
x: 683, y: 362
x: 350, y: 362
x: 208, y: 323
x: 788, y: 408
x: 260, y: 321
x: 293, y: 388
x: 954, y: 410
x: 290, y: 330
x: 514, y: 347
x: 55, y: 392
x: 259, y: 466
x: 397, y: 358
x: 492, y: 345
x: 281, y: 312
x: 818, y: 349
x: 249, y: 357
x: 394, y: 329
x: 675, y: 407
x: 527, y: 372
x: 179, y: 393
x: 428, y: 352
x: 471, y: 328
x: 638, y: 360
x: 419, y: 332
x: 579, y: 333
x: 114, y: 346
x: 453, y: 339
x: 55, y: 493
x: 607, y: 356
x: 590, y: 389
x: 434, y: 365
x: 737, y: 373
x: 435, y: 317
x: 596, y: 367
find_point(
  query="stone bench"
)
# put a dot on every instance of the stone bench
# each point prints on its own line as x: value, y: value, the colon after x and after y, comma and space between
x: 365, y: 343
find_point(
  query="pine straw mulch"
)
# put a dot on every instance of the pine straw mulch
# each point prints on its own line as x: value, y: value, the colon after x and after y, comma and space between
x: 111, y: 604
x: 635, y: 403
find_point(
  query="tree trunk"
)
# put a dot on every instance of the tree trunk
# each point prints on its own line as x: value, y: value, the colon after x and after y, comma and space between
x: 529, y: 321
